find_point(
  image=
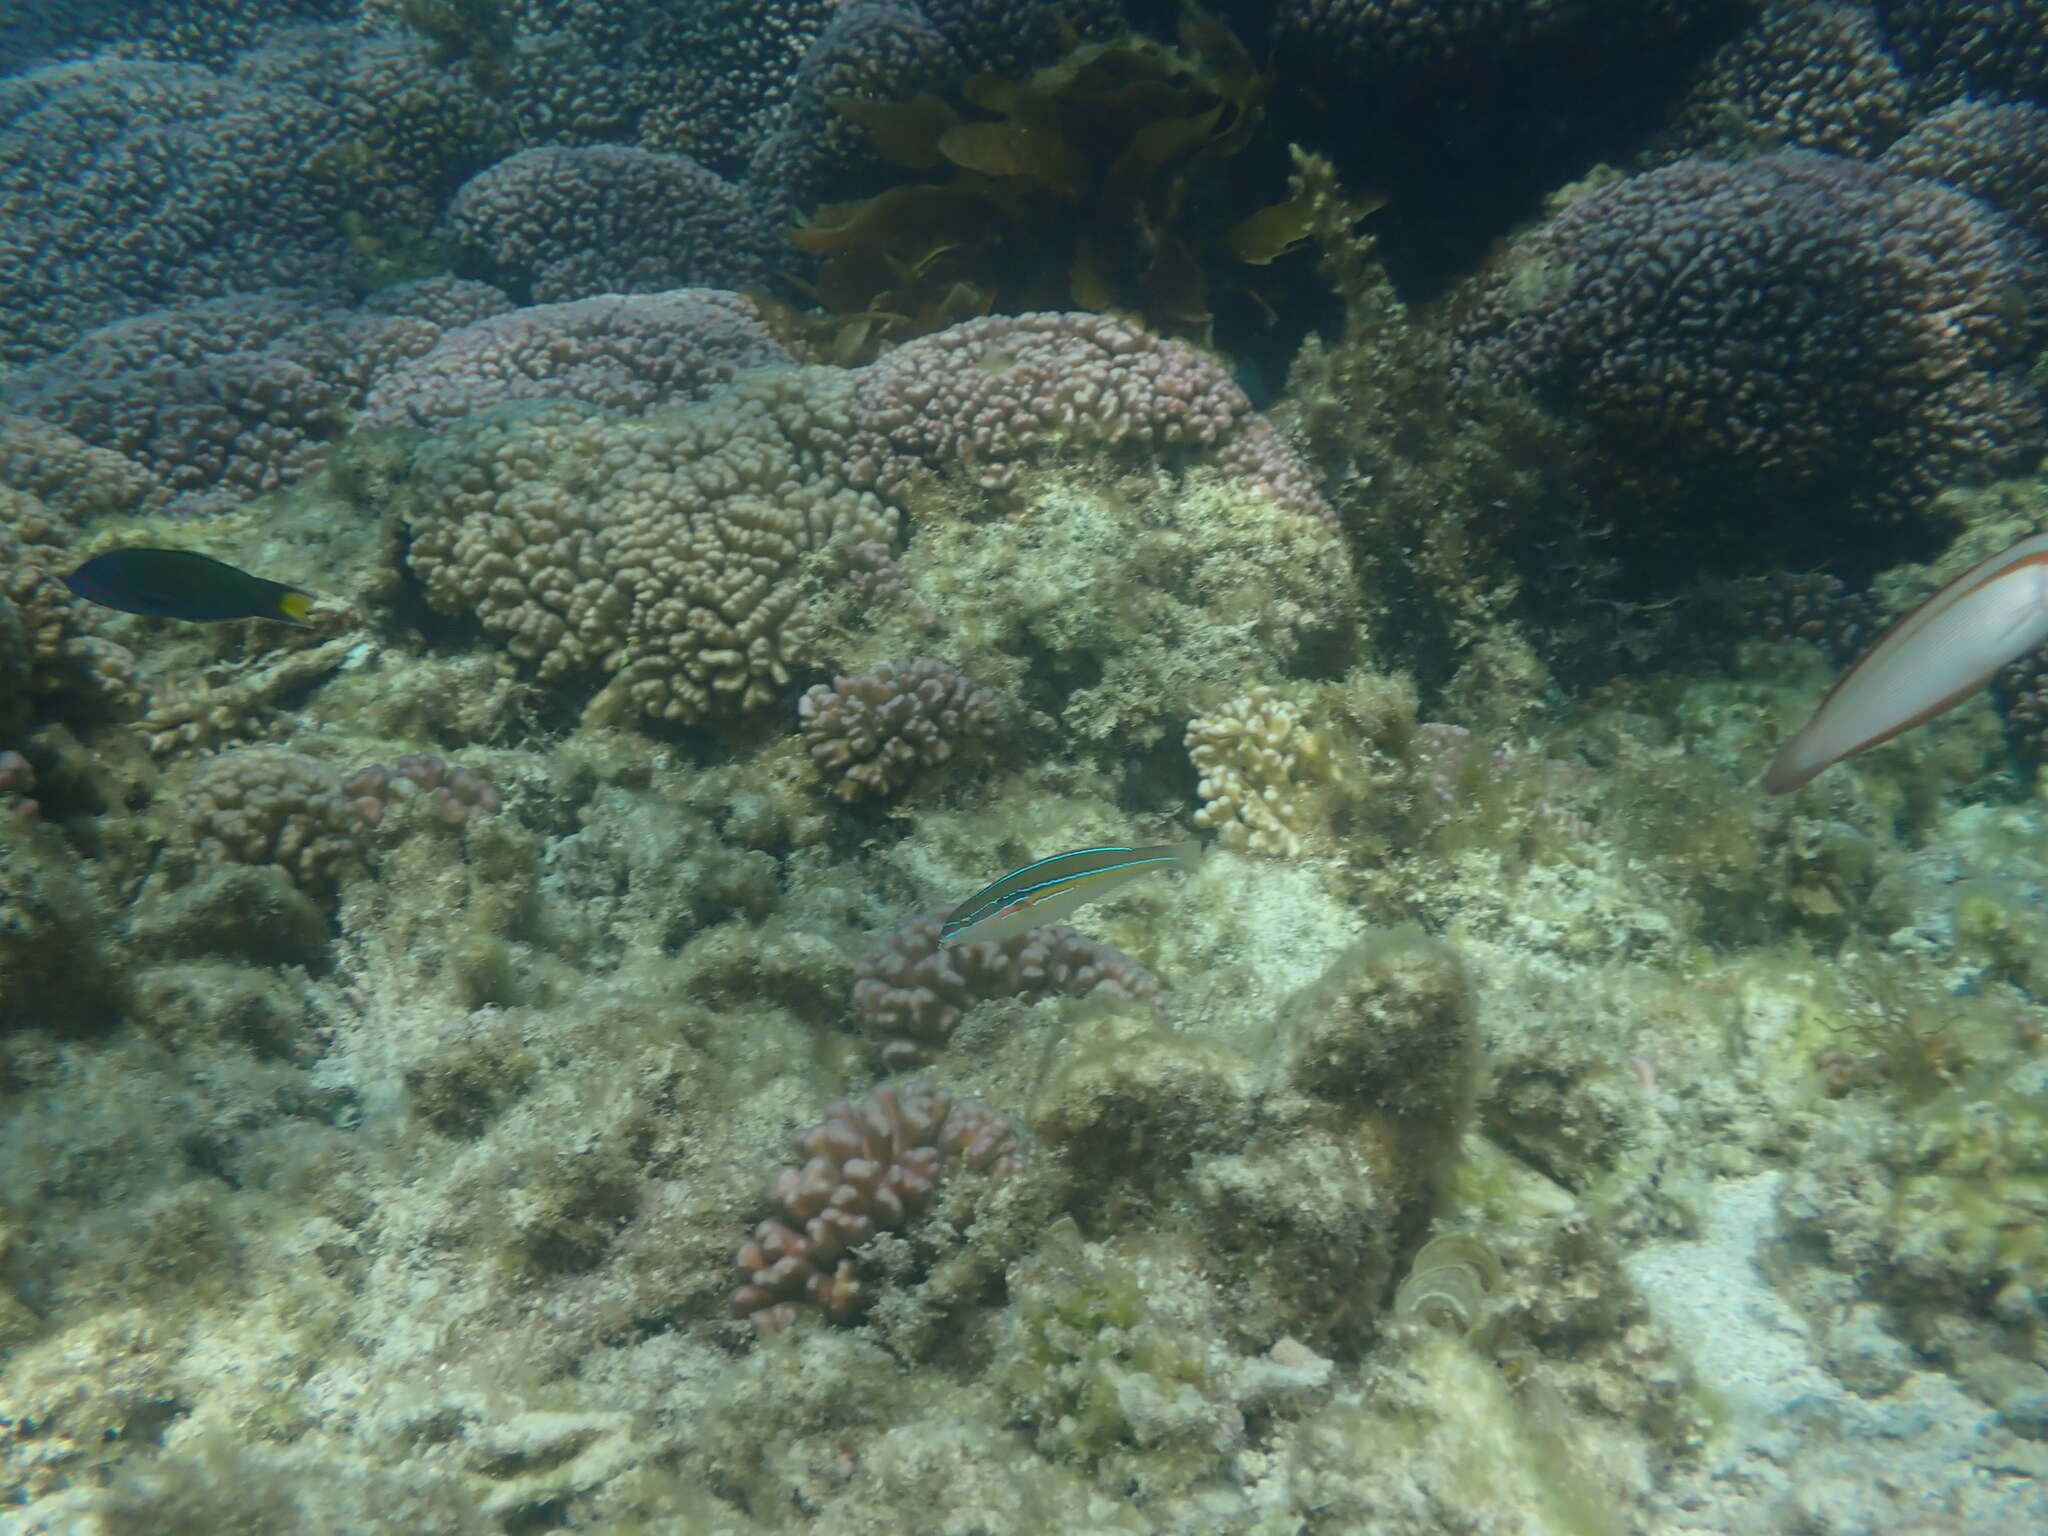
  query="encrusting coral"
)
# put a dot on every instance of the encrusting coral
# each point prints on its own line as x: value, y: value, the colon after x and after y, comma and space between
x: 869, y: 1167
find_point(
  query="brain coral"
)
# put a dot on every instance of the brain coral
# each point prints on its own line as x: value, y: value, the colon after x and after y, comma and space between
x: 997, y: 393
x: 1795, y: 325
x: 632, y: 353
x: 661, y: 557
x: 553, y: 223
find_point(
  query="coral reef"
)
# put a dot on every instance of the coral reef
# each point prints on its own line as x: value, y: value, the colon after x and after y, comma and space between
x: 994, y: 394
x: 457, y: 792
x: 870, y: 1167
x: 870, y: 735
x: 1811, y: 74
x: 913, y: 994
x: 552, y: 224
x: 254, y: 162
x: 1996, y: 152
x: 265, y: 806
x: 217, y: 400
x: 667, y: 559
x: 1779, y: 329
x: 633, y: 354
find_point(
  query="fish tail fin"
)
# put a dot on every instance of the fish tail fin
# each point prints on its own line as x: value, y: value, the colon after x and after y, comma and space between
x: 1188, y: 850
x: 293, y: 606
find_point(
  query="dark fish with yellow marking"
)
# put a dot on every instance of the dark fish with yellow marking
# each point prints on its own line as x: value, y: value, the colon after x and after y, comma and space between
x: 180, y: 584
x: 1048, y: 889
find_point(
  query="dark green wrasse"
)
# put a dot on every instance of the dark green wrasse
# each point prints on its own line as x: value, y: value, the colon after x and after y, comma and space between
x: 1048, y: 889
x: 179, y: 584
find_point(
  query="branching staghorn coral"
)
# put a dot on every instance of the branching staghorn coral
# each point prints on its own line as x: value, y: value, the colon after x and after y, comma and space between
x: 870, y: 1167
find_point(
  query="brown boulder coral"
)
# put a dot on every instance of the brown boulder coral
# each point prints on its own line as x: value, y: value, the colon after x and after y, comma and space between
x: 871, y: 735
x: 661, y: 557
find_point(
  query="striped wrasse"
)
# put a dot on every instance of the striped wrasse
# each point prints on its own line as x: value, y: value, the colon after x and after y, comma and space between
x: 1046, y: 890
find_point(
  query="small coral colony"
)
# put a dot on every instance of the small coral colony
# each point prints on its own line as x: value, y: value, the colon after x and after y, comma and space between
x: 1529, y: 515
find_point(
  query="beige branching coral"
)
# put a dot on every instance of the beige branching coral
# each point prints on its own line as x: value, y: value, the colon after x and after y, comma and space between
x: 263, y: 805
x: 662, y: 556
x: 1265, y: 776
x: 869, y: 1167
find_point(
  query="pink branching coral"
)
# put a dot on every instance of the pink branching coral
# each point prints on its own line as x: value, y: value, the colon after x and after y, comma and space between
x: 912, y: 993
x: 870, y: 735
x: 870, y: 1167
x: 997, y: 393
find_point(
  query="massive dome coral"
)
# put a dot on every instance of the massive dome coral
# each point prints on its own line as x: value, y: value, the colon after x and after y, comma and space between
x: 1793, y: 331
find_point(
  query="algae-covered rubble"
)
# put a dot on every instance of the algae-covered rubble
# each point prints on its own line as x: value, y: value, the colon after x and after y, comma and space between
x: 399, y: 1054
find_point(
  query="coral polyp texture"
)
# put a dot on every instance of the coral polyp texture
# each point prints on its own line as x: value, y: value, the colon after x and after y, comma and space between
x: 912, y: 994
x: 869, y: 1167
x: 630, y: 353
x: 1796, y: 325
x: 1995, y: 151
x: 997, y: 394
x: 128, y: 185
x: 663, y: 559
x: 217, y: 400
x: 871, y: 735
x: 1265, y: 777
x: 269, y: 806
x: 551, y: 224
x: 1812, y: 74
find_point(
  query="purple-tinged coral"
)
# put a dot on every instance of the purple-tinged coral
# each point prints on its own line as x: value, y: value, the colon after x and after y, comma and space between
x: 1777, y: 330
x: 998, y: 393
x: 633, y: 354
x: 552, y: 224
x: 1998, y: 153
x: 912, y: 994
x: 218, y: 400
x: 1988, y: 47
x: 68, y: 475
x: 872, y: 50
x: 456, y: 793
x: 264, y: 805
x: 870, y: 1167
x: 127, y: 185
x: 741, y: 60
x: 1808, y: 74
x: 447, y: 302
x: 871, y: 735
